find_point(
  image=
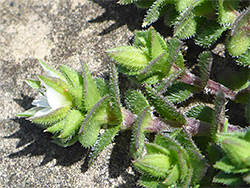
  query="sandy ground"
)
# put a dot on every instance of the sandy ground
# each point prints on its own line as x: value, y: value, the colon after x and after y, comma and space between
x: 57, y: 32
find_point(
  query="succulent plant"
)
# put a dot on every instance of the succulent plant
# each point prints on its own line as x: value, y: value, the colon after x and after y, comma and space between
x: 171, y: 163
x: 75, y: 107
x: 205, y: 19
x: 234, y: 167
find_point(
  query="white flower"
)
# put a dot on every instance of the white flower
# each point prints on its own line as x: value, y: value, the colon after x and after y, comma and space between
x: 52, y: 101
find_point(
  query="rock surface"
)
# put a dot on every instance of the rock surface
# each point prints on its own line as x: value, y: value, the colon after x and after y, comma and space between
x: 57, y: 32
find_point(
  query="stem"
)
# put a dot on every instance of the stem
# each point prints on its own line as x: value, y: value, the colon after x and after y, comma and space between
x: 194, y: 127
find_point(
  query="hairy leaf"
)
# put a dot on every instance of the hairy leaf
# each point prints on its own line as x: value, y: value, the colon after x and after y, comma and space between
x: 138, y: 135
x: 226, y: 11
x: 104, y: 140
x: 209, y: 31
x: 205, y: 63
x: 154, y: 12
x: 129, y: 57
x: 90, y: 92
x: 72, y: 123
x: 52, y: 117
x: 115, y: 96
x: 244, y: 59
x: 164, y: 107
x: 33, y: 83
x: 95, y: 118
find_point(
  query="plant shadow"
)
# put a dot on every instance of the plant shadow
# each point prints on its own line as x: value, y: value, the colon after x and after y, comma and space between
x: 128, y: 15
x: 33, y: 141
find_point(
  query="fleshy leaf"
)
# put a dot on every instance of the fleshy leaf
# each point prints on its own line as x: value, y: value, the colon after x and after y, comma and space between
x: 206, y: 37
x: 52, y: 117
x: 104, y: 140
x: 205, y: 63
x: 164, y: 107
x: 244, y: 59
x: 136, y: 101
x: 228, y: 179
x: 129, y: 57
x: 156, y: 165
x: 72, y: 123
x: 125, y: 2
x: 149, y: 182
x: 226, y: 11
x: 218, y: 116
x: 101, y: 86
x: 185, y: 25
x: 238, y: 43
x: 73, y: 78
x: 201, y: 112
x: 91, y: 94
x: 114, y: 94
x: 138, y: 135
x: 180, y: 92
x: 154, y: 12
x: 236, y: 149
x: 95, y: 118
x: 29, y: 113
x: 35, y: 84
x: 52, y: 72
x: 225, y: 165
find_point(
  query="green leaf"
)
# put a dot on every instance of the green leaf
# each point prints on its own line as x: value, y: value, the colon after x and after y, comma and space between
x: 225, y: 165
x: 35, y: 84
x: 156, y: 165
x: 218, y: 116
x: 143, y: 41
x: 105, y: 139
x: 158, y: 46
x: 185, y: 26
x: 101, y: 86
x: 73, y: 78
x: 238, y: 43
x: 244, y: 59
x: 52, y: 72
x: 52, y: 117
x: 199, y: 166
x: 201, y: 112
x: 209, y: 31
x: 175, y: 55
x: 236, y: 149
x: 136, y: 101
x: 144, y: 4
x: 180, y: 92
x: 226, y: 11
x: 72, y: 123
x: 56, y: 127
x: 65, y: 142
x: 155, y: 148
x: 114, y: 94
x: 183, y: 5
x: 228, y: 179
x: 205, y: 63
x: 173, y: 176
x: 91, y: 94
x: 125, y: 2
x: 138, y: 135
x: 129, y: 57
x: 167, y: 82
x: 164, y: 107
x: 149, y: 182
x: 154, y: 12
x: 95, y: 118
